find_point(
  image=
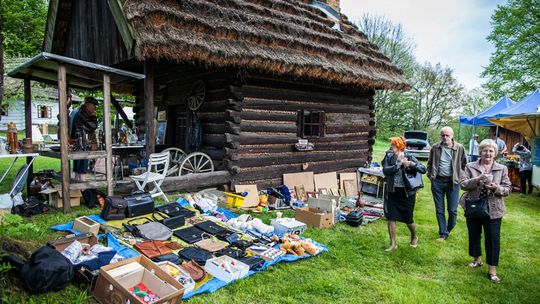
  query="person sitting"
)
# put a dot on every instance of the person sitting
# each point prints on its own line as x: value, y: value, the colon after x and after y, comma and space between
x: 399, y: 199
x: 82, y: 121
x: 525, y: 166
x: 486, y: 177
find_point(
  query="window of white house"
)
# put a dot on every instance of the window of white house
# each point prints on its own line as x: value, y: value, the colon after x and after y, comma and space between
x: 44, y: 112
x: 311, y: 123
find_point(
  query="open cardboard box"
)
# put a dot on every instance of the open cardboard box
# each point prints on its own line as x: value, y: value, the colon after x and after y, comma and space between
x: 113, y: 286
x: 314, y: 217
x: 55, y: 197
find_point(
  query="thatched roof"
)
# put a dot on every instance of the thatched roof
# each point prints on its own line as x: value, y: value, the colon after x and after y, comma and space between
x: 276, y: 36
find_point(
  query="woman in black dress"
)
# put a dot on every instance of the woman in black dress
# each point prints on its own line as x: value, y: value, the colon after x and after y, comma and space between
x: 399, y: 198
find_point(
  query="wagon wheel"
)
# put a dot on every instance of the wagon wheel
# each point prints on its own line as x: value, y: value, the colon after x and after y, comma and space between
x: 196, y: 95
x: 176, y: 156
x: 196, y: 163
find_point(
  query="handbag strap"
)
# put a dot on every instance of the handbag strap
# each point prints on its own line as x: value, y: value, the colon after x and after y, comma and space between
x: 138, y: 219
x: 163, y: 216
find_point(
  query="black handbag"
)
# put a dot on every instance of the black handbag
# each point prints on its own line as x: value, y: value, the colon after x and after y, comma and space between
x: 114, y: 208
x: 171, y: 222
x: 189, y: 235
x: 198, y: 255
x: 139, y: 203
x: 479, y: 208
x: 413, y: 180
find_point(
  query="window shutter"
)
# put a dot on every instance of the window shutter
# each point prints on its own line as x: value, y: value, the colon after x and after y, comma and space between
x: 322, y: 124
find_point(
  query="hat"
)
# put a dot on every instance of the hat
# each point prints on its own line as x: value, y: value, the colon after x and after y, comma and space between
x: 91, y: 99
x: 475, y: 135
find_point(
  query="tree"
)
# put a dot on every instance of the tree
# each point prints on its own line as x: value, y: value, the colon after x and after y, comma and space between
x: 437, y: 95
x: 514, y: 67
x: 392, y: 41
x: 24, y: 27
x: 1, y: 53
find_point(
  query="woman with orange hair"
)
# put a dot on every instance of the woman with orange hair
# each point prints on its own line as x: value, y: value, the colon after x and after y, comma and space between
x: 398, y: 168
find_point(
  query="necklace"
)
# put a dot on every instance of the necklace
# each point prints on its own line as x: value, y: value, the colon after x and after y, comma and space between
x: 486, y: 169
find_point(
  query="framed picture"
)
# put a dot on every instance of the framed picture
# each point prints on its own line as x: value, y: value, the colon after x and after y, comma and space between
x: 348, y: 184
x: 161, y: 132
x: 300, y: 193
x: 341, y: 192
x: 311, y: 194
x: 323, y: 191
x: 334, y: 191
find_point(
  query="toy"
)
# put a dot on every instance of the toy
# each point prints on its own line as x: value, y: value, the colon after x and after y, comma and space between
x: 263, y: 203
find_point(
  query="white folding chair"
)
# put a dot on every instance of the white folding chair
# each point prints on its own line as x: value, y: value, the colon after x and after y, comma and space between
x: 158, y: 164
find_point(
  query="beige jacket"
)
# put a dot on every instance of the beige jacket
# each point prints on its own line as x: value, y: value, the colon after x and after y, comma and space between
x: 459, y: 160
x: 471, y: 185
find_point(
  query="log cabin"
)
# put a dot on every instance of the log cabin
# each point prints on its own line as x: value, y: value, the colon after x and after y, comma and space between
x: 240, y: 80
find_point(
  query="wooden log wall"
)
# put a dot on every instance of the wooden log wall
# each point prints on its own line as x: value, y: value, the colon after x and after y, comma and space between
x: 264, y: 150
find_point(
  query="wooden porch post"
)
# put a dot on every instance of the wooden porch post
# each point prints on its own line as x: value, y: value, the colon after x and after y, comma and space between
x: 64, y: 145
x: 149, y: 106
x: 28, y: 127
x: 107, y: 127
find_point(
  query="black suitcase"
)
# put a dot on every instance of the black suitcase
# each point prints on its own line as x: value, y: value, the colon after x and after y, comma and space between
x: 355, y: 218
x: 139, y: 203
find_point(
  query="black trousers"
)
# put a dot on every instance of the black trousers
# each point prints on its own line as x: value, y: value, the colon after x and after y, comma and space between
x: 492, y: 238
x: 526, y: 176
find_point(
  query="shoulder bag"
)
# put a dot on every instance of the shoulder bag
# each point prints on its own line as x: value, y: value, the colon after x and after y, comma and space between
x: 195, y: 271
x: 479, y: 208
x: 413, y: 179
x: 153, y: 249
x: 149, y: 230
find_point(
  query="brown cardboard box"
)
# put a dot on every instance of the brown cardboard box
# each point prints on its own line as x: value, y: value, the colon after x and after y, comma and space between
x: 85, y: 224
x: 314, y: 217
x: 55, y: 197
x: 115, y: 288
x: 61, y: 244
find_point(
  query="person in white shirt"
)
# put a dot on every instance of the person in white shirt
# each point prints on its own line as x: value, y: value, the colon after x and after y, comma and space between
x: 473, y: 148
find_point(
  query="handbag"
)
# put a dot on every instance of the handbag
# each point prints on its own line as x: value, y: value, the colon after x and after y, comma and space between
x: 210, y: 244
x: 153, y: 249
x: 139, y: 203
x: 189, y: 235
x: 171, y: 222
x: 194, y: 254
x: 114, y: 208
x: 149, y: 230
x: 173, y: 209
x: 195, y: 271
x: 413, y: 180
x: 479, y: 208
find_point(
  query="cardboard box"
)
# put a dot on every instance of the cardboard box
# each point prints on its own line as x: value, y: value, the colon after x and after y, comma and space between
x: 325, y: 204
x: 85, y: 224
x: 314, y: 217
x: 115, y: 289
x: 61, y: 244
x: 288, y: 225
x: 55, y: 197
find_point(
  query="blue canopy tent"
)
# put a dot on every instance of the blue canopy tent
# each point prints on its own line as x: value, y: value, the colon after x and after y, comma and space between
x: 480, y: 119
x: 523, y: 117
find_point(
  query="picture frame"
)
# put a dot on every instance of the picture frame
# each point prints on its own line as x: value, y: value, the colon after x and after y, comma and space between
x: 323, y: 191
x: 348, y: 185
x: 161, y: 132
x: 341, y: 192
x: 301, y: 193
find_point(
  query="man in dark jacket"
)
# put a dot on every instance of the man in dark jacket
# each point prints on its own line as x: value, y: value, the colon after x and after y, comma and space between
x: 446, y: 164
x: 82, y: 121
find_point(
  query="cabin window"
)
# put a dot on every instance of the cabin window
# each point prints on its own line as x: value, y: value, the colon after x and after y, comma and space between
x: 44, y: 112
x: 311, y: 123
x: 4, y: 110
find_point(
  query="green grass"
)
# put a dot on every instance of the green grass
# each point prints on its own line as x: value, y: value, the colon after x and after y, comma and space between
x: 357, y: 270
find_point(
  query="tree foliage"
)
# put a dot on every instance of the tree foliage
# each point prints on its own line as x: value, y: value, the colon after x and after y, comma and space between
x: 24, y: 26
x: 514, y: 67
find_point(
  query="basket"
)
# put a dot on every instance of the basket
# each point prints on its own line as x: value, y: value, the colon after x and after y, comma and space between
x: 234, y: 200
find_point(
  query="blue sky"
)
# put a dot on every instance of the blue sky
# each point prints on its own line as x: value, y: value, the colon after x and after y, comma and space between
x: 452, y: 32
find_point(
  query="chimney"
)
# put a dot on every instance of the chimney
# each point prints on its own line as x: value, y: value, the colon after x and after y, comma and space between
x: 334, y: 4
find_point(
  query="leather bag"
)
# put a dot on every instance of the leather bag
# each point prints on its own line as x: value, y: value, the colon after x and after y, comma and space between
x: 195, y: 271
x: 479, y: 208
x: 172, y: 222
x: 413, y: 180
x: 114, y: 208
x: 210, y: 244
x: 198, y: 255
x: 149, y: 230
x: 139, y: 203
x: 173, y: 209
x: 189, y: 235
x: 153, y: 249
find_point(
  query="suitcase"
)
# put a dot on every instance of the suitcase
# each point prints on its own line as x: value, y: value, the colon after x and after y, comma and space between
x: 139, y: 203
x: 355, y: 218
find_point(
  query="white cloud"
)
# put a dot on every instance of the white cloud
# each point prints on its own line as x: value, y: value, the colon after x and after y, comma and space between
x: 450, y: 32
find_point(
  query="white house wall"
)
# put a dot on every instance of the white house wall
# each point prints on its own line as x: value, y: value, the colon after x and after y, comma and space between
x: 16, y: 114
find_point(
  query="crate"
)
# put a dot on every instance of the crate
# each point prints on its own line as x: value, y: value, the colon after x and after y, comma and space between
x: 85, y: 224
x: 234, y: 200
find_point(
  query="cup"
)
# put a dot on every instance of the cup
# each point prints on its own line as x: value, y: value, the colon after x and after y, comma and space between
x: 489, y: 178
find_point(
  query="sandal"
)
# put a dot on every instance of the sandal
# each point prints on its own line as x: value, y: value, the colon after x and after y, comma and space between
x: 475, y: 264
x: 494, y: 278
x: 415, y: 243
x: 391, y: 248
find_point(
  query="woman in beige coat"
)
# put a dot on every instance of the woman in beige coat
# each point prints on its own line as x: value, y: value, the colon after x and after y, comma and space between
x: 493, y: 177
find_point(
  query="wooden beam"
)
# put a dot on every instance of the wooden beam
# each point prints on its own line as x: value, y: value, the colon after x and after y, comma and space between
x: 120, y: 111
x: 196, y: 181
x: 304, y: 96
x: 149, y: 107
x: 64, y: 146
x: 314, y: 105
x: 107, y: 126
x: 28, y: 127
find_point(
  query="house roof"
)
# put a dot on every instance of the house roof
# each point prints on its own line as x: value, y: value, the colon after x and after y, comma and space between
x: 281, y: 37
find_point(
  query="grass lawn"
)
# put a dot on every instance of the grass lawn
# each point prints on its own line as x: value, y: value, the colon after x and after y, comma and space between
x: 356, y: 269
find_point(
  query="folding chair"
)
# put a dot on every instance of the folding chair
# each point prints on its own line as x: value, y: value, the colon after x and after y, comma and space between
x: 159, y: 163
